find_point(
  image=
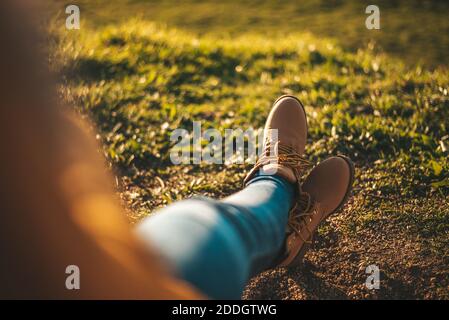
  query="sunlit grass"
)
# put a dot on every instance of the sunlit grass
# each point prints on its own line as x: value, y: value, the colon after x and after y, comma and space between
x: 415, y: 30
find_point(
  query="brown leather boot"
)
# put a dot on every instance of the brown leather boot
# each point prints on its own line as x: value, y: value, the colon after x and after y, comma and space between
x: 285, y: 136
x: 324, y: 191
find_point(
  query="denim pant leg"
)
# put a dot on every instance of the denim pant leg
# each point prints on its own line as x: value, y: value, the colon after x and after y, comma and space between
x: 218, y: 245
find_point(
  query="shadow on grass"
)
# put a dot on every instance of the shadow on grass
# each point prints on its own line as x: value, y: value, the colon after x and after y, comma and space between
x: 89, y: 69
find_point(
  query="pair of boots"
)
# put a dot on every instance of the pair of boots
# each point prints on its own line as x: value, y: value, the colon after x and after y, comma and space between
x: 322, y: 192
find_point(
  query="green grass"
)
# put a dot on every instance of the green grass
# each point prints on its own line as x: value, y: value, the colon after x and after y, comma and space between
x: 135, y: 78
x: 138, y: 81
x: 414, y: 30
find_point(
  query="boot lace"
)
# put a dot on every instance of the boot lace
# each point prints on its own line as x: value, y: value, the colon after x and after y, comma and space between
x: 284, y: 155
x: 301, y: 216
x: 305, y: 207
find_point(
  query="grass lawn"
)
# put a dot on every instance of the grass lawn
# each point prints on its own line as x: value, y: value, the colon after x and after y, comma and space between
x: 414, y: 30
x: 138, y: 80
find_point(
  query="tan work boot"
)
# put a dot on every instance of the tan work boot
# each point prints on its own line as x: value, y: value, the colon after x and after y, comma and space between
x: 324, y: 191
x: 285, y: 136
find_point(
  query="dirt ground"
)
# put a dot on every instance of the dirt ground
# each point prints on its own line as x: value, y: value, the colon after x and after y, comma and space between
x: 410, y: 265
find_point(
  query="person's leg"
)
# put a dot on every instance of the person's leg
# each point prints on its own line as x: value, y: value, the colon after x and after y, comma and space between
x: 218, y: 245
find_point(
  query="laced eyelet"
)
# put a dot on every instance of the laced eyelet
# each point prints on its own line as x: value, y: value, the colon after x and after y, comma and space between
x: 304, y: 207
x: 301, y: 215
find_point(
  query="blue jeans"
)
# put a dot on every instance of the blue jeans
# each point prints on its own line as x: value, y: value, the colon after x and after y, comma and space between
x: 218, y: 245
